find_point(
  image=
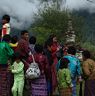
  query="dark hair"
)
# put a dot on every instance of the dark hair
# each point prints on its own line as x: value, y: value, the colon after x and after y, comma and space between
x: 51, y: 38
x: 64, y: 63
x: 38, y: 48
x: 17, y: 55
x: 71, y: 50
x: 86, y: 54
x: 14, y: 39
x: 6, y: 38
x: 6, y: 17
x: 23, y: 32
x: 32, y: 40
x: 47, y: 43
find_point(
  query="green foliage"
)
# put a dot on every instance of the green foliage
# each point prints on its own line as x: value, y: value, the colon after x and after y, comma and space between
x: 78, y: 22
x: 48, y: 21
x: 89, y: 46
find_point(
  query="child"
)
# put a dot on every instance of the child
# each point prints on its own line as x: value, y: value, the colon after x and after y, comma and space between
x: 14, y: 42
x: 6, y: 25
x: 18, y: 71
x: 64, y: 78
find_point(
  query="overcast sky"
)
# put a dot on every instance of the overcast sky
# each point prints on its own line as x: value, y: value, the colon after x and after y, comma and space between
x: 81, y: 4
x: 22, y: 11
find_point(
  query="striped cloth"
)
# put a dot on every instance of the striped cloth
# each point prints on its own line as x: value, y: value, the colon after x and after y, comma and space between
x: 4, y: 82
x: 39, y: 86
x: 65, y: 92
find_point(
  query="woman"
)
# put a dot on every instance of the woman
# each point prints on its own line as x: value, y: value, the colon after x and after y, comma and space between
x: 39, y: 85
x: 55, y: 47
x: 6, y: 54
x: 89, y: 73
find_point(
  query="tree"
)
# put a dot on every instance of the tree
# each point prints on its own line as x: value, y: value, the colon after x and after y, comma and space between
x: 50, y: 20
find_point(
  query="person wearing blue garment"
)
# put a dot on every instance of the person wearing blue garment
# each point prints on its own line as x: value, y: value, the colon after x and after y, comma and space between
x: 74, y: 67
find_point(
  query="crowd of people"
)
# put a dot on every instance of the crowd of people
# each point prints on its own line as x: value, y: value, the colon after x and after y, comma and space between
x: 60, y: 67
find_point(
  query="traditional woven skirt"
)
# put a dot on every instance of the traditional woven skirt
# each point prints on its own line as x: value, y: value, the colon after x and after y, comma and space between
x: 39, y: 86
x: 65, y: 92
x: 4, y: 81
x: 89, y: 89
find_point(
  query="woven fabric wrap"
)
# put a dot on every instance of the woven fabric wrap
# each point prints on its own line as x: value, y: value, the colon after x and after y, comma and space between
x: 39, y: 86
x: 65, y: 92
x: 4, y: 82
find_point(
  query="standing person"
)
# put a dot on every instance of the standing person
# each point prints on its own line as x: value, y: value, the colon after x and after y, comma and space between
x: 89, y: 74
x: 23, y: 49
x: 18, y: 71
x: 48, y: 54
x: 39, y: 85
x: 64, y: 78
x: 23, y: 46
x: 74, y: 67
x: 32, y: 42
x: 6, y: 25
x: 5, y: 54
x: 55, y: 47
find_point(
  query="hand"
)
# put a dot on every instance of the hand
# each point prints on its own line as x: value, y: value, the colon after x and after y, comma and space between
x: 79, y: 80
x: 9, y: 68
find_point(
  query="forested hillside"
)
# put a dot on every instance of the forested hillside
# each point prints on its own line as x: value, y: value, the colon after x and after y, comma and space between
x: 88, y: 25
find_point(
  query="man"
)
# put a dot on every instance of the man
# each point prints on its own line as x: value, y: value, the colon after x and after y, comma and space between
x: 23, y: 45
x: 74, y: 67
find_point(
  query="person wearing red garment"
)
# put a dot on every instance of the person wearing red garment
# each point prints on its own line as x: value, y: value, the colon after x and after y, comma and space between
x: 39, y: 85
x: 55, y: 47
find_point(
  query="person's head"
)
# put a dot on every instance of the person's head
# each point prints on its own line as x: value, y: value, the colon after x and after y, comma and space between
x: 64, y: 63
x: 5, y: 19
x: 71, y: 50
x: 14, y: 39
x: 17, y: 57
x: 7, y: 38
x: 38, y: 48
x: 25, y: 34
x: 48, y: 45
x: 86, y: 54
x: 32, y: 40
x: 53, y: 38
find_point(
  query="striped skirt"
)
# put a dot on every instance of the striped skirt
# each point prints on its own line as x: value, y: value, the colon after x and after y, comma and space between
x: 39, y: 86
x: 4, y: 81
x: 65, y: 92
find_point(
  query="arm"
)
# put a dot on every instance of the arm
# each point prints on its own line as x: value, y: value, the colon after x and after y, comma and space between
x: 68, y: 78
x: 19, y: 69
x: 4, y: 30
x: 9, y: 50
x: 78, y: 68
x: 86, y: 69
